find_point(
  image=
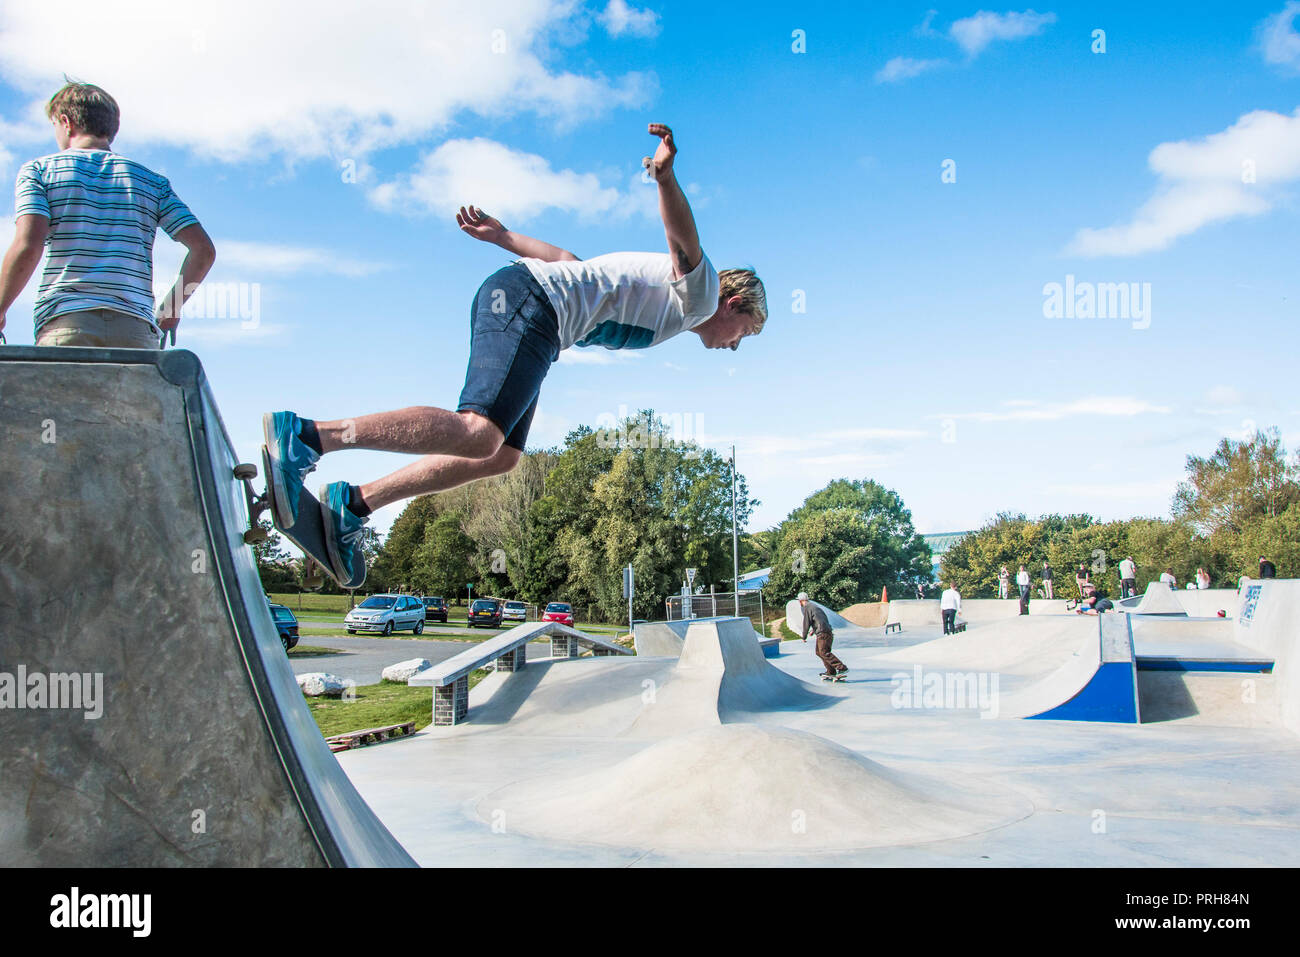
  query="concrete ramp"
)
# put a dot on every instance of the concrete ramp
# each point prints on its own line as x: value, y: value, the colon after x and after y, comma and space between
x: 666, y: 638
x: 1021, y: 646
x: 721, y: 676
x: 1208, y: 602
x: 1099, y: 683
x: 1268, y: 620
x: 1159, y: 599
x: 914, y: 613
x: 1074, y: 667
x: 150, y: 716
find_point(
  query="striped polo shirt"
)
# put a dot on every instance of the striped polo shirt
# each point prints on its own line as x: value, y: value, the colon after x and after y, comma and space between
x: 104, y: 210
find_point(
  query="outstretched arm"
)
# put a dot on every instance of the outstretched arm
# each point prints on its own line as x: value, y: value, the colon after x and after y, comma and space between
x: 474, y: 222
x: 21, y: 260
x: 674, y: 210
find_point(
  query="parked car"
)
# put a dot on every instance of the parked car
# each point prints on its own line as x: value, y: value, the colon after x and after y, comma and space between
x: 560, y: 611
x: 435, y: 609
x: 386, y: 614
x: 285, y: 623
x: 486, y: 612
x: 515, y: 611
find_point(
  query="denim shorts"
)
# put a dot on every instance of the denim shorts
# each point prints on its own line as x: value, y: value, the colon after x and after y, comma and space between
x: 514, y: 338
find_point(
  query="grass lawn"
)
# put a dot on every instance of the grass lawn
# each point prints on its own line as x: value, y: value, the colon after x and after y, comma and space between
x: 374, y: 706
x: 311, y: 651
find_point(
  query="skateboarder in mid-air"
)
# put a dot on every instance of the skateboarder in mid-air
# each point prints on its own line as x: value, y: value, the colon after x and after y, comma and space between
x: 814, y: 620
x: 524, y: 315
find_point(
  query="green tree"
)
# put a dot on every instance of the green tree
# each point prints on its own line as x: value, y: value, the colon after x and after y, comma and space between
x: 851, y: 538
x: 1240, y: 484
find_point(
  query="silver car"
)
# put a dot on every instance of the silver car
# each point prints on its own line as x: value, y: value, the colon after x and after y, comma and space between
x: 515, y: 611
x: 386, y: 614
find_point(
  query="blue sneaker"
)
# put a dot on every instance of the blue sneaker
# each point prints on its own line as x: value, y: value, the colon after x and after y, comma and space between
x: 342, y: 532
x: 291, y: 460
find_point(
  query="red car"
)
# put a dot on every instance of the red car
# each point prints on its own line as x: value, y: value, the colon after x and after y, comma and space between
x: 559, y: 611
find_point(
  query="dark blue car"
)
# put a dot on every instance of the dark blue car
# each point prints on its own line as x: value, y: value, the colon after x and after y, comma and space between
x: 285, y: 624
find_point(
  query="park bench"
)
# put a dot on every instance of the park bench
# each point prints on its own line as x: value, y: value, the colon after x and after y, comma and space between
x: 506, y: 652
x: 359, y: 739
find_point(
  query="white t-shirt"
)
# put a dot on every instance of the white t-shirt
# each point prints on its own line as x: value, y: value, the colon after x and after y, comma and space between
x: 950, y: 599
x: 1127, y: 569
x: 1168, y: 579
x: 1022, y: 578
x: 626, y: 300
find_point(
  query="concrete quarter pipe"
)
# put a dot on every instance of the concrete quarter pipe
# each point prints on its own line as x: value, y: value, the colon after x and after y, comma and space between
x: 148, y: 714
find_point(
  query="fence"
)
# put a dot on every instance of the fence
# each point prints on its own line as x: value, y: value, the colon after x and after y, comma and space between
x: 712, y: 605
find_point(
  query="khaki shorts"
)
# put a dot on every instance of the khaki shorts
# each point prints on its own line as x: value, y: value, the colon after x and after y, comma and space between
x: 103, y: 328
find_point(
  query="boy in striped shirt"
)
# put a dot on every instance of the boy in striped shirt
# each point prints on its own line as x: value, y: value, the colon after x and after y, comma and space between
x: 97, y: 213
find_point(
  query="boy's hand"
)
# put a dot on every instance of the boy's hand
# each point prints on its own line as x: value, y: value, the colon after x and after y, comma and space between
x: 479, y: 224
x: 661, y: 166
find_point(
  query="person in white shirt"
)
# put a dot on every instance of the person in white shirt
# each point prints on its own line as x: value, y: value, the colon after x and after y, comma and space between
x: 950, y: 606
x: 523, y: 316
x: 1167, y: 577
x: 1202, y: 578
x: 1022, y: 580
x: 1127, y: 578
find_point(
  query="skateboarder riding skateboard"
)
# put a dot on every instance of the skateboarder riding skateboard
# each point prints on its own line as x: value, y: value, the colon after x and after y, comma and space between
x: 524, y: 315
x: 814, y: 620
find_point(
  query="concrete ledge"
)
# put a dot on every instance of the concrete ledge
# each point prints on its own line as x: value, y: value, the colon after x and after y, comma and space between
x: 507, y: 650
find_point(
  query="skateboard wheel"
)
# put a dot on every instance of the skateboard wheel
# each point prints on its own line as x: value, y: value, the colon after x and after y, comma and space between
x: 254, y: 535
x: 245, y: 471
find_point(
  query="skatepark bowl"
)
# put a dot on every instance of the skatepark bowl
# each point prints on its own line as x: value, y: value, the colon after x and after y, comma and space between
x: 1155, y: 735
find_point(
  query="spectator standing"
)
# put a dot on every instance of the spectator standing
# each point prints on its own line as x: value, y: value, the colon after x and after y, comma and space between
x: 1004, y: 581
x: 1081, y: 577
x: 1047, y: 580
x: 1128, y: 585
x: 1266, y: 568
x: 94, y: 213
x: 1022, y: 579
x: 950, y: 605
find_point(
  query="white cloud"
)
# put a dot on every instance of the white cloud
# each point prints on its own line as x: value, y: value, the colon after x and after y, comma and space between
x: 340, y: 80
x: 596, y: 356
x: 1031, y: 411
x: 1201, y: 182
x: 830, y: 444
x: 285, y: 260
x: 1279, y: 39
x: 904, y: 68
x: 507, y: 183
x: 618, y: 18
x: 976, y: 32
x: 1224, y: 395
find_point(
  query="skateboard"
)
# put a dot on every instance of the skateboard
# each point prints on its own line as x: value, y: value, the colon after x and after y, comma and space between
x: 308, y: 532
x: 833, y: 677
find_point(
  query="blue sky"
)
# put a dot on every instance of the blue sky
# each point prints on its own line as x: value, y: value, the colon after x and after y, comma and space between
x: 324, y: 154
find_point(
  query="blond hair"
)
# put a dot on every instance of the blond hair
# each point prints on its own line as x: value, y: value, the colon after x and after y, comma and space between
x: 90, y: 109
x: 745, y: 284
